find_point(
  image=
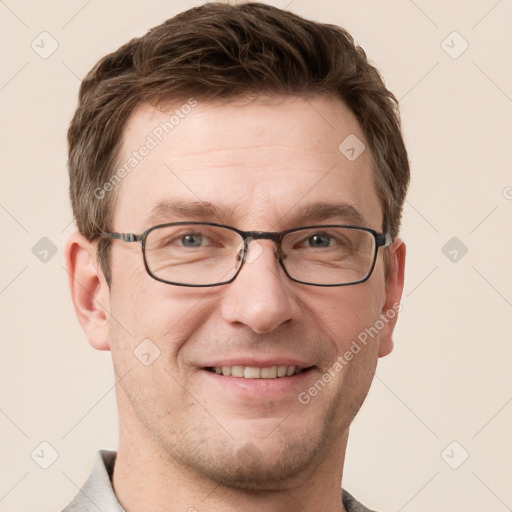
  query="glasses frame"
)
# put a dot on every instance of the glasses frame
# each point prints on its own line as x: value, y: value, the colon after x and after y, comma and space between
x: 381, y: 240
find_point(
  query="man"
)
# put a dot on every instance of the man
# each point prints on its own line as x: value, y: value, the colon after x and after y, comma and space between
x: 237, y: 177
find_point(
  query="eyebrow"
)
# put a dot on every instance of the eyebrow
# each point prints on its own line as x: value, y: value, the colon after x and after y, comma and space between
x: 322, y: 211
x: 196, y: 210
x: 200, y: 210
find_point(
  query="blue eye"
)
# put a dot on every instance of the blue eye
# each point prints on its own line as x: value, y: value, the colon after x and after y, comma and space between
x: 319, y: 240
x: 192, y: 240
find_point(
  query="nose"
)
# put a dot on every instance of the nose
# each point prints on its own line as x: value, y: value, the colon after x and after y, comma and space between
x: 261, y: 296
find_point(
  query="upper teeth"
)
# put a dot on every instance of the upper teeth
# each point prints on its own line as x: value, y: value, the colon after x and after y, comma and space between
x: 253, y: 372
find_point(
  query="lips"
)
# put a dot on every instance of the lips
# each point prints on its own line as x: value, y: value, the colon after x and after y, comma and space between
x: 256, y: 372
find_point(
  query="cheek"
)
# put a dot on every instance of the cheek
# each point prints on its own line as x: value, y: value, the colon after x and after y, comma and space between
x: 137, y: 301
x: 347, y: 312
x: 143, y: 308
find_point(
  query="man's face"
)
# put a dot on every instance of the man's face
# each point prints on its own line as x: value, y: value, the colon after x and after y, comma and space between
x: 259, y: 165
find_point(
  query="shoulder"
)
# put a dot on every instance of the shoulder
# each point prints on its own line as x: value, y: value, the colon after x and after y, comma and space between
x: 97, y: 492
x: 352, y: 505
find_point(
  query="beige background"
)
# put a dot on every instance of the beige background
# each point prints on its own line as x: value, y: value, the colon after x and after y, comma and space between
x: 449, y: 376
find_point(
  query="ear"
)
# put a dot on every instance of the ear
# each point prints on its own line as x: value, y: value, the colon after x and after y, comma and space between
x: 393, y: 293
x: 89, y: 290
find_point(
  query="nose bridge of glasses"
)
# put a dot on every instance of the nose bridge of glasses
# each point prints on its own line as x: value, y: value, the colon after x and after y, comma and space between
x: 253, y: 251
x: 262, y: 235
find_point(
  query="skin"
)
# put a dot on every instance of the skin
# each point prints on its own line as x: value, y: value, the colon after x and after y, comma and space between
x: 188, y: 439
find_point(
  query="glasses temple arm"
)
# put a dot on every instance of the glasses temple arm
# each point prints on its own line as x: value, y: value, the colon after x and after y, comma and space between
x: 125, y: 237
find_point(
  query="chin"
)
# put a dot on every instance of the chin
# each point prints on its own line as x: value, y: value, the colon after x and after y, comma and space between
x: 256, y: 468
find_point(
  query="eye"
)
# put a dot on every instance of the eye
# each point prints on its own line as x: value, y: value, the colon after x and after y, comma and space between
x: 319, y: 240
x: 192, y: 240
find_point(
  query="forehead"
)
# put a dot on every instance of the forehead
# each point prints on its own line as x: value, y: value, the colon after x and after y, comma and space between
x: 256, y: 164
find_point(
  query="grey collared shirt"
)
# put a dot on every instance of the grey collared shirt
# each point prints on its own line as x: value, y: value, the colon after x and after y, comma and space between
x: 97, y: 493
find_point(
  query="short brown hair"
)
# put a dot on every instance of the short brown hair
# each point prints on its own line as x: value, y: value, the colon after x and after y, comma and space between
x: 220, y: 51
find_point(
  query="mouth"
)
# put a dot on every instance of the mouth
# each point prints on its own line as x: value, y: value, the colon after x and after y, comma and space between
x: 256, y: 372
x: 252, y: 381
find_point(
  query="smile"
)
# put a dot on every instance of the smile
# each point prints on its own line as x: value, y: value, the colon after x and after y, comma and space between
x: 254, y: 372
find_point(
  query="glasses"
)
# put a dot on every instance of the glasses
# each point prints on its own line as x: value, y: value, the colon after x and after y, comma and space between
x: 209, y: 254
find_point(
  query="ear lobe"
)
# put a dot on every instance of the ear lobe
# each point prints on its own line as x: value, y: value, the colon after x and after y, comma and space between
x: 394, y: 288
x: 89, y: 290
